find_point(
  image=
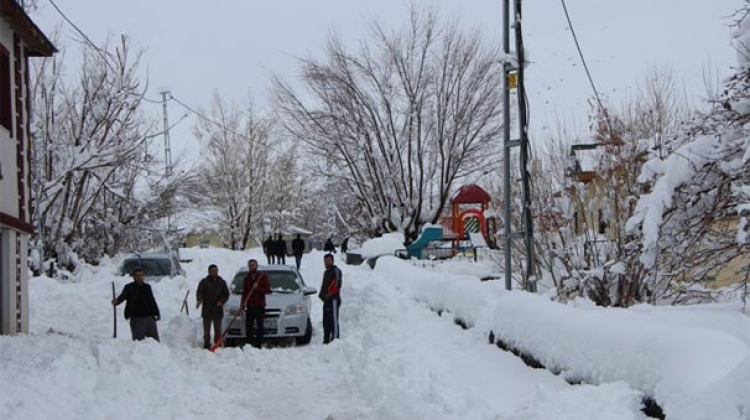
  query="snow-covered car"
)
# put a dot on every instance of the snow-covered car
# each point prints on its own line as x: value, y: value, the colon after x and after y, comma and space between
x: 288, y: 306
x: 155, y: 266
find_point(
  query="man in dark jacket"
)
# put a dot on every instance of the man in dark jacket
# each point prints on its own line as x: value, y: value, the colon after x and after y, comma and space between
x: 212, y: 293
x: 329, y: 293
x: 280, y: 250
x: 298, y: 248
x: 269, y: 248
x: 329, y: 246
x: 254, y: 290
x: 141, y: 307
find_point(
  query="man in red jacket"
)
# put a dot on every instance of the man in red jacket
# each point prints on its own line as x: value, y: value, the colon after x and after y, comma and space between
x: 254, y: 291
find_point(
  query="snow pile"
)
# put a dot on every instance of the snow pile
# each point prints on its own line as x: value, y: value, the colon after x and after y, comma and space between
x: 385, y: 245
x: 695, y: 362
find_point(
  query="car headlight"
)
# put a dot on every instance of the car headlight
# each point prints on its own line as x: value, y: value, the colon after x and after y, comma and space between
x: 295, y: 309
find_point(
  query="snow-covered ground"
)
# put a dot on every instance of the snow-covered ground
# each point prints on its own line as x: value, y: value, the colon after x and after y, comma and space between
x: 396, y: 359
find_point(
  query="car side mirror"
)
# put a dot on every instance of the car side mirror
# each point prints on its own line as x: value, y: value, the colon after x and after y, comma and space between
x: 310, y: 290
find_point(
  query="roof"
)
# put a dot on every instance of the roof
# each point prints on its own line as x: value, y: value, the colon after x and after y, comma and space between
x: 38, y: 44
x: 471, y: 193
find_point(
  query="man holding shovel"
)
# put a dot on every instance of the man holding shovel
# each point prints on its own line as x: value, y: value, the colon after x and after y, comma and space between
x: 254, y: 291
x: 212, y: 293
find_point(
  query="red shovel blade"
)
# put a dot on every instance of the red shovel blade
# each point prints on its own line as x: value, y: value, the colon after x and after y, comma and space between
x: 216, y: 345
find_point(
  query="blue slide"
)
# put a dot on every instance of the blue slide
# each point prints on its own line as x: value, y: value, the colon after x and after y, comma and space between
x: 429, y: 233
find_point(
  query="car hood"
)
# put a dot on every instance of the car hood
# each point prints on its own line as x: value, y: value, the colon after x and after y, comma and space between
x: 273, y: 301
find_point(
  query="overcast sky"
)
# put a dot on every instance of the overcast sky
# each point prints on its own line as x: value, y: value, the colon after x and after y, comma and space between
x: 233, y: 46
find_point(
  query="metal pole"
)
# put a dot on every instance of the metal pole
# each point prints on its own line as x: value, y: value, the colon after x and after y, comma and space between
x: 528, y: 223
x: 506, y: 141
x: 167, y: 160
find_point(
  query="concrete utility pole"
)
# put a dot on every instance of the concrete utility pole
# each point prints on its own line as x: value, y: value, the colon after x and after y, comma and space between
x: 509, y: 82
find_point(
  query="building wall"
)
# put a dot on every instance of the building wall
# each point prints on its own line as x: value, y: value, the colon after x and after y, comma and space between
x: 15, y: 195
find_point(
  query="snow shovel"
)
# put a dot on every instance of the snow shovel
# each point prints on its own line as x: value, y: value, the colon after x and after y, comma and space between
x: 114, y: 312
x: 220, y: 341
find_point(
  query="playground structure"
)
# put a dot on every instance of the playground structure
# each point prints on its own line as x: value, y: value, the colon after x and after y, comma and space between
x: 467, y: 227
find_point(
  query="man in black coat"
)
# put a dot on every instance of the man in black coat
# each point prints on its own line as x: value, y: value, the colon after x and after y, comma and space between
x: 212, y: 293
x: 141, y: 307
x: 280, y: 250
x: 298, y: 248
x: 269, y: 248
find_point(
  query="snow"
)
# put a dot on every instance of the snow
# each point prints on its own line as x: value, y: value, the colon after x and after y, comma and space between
x: 385, y: 245
x: 397, y: 357
x: 694, y: 361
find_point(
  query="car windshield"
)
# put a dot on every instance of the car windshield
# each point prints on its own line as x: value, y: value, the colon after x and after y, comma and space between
x: 281, y: 282
x: 152, y: 267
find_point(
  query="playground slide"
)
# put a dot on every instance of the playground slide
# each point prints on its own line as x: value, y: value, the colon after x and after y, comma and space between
x: 477, y: 240
x: 430, y: 233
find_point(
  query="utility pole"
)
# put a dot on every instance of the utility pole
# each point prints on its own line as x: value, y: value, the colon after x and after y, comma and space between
x: 523, y: 126
x: 509, y: 82
x: 167, y: 157
x: 330, y: 204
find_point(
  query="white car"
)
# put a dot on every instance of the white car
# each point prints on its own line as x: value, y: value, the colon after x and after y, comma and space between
x: 287, y: 306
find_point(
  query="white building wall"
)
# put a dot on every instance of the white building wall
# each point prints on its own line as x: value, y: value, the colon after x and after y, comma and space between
x: 14, y: 297
x: 9, y: 182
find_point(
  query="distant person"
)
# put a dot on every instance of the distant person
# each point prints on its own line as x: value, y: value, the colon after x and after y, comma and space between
x: 330, y: 294
x: 298, y: 248
x: 141, y: 308
x: 254, y: 290
x: 280, y: 250
x: 329, y: 246
x: 345, y: 245
x: 212, y: 293
x: 269, y: 248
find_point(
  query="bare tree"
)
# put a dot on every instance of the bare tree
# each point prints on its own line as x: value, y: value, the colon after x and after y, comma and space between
x: 91, y: 152
x: 250, y: 177
x: 583, y: 243
x: 401, y: 120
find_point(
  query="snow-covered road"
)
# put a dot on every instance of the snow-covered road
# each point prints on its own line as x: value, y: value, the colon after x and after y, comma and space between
x: 396, y: 359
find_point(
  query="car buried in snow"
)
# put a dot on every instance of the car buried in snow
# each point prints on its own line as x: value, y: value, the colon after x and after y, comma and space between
x: 154, y: 266
x: 287, y: 314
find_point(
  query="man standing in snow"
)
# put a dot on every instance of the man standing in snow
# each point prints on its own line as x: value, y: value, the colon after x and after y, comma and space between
x: 269, y: 248
x: 254, y: 290
x: 212, y: 293
x: 330, y: 295
x: 141, y: 307
x: 298, y: 248
x: 280, y: 250
x: 329, y: 246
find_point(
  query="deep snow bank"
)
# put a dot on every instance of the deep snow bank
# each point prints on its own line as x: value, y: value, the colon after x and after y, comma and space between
x: 689, y: 361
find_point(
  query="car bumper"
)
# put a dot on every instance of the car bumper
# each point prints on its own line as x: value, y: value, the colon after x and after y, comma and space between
x: 277, y: 325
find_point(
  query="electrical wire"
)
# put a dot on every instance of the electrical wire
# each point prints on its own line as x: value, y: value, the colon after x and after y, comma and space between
x: 104, y: 54
x: 82, y: 34
x: 220, y: 125
x: 583, y: 61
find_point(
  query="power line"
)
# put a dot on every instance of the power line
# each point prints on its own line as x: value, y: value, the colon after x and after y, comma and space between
x: 82, y: 34
x: 583, y: 60
x: 217, y: 124
x: 104, y: 54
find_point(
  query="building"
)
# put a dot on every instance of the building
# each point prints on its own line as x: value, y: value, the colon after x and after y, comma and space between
x: 20, y: 39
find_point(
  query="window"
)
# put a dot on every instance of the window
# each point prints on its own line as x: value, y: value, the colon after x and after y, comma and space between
x: 6, y: 99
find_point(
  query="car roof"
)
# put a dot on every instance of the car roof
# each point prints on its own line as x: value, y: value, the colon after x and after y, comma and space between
x: 147, y: 256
